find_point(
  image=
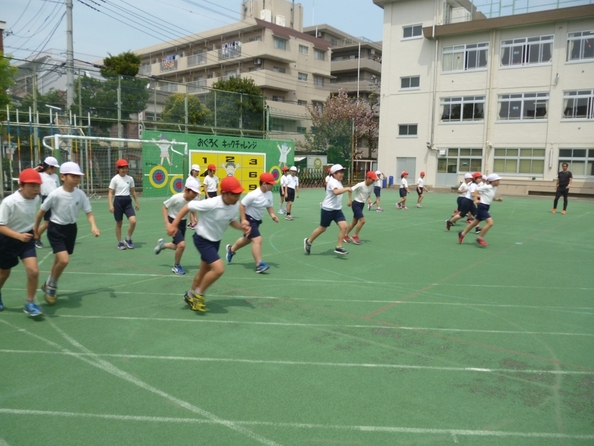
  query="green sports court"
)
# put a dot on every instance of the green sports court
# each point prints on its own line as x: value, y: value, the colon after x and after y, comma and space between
x: 410, y: 339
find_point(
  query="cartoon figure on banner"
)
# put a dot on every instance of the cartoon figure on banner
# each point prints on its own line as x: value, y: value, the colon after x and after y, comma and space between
x: 164, y: 145
x: 230, y: 168
x: 284, y: 151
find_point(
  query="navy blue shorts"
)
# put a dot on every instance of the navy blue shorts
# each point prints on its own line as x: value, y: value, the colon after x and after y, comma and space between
x: 290, y: 195
x: 377, y: 191
x: 465, y: 206
x: 12, y: 249
x: 62, y: 237
x: 482, y: 212
x: 180, y: 235
x: 209, y: 251
x: 211, y: 194
x: 122, y: 205
x: 331, y: 216
x: 255, y: 225
x: 358, y: 209
x: 403, y: 192
x: 48, y: 213
x: 420, y: 190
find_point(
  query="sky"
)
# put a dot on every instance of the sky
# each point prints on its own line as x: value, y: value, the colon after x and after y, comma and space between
x: 115, y: 26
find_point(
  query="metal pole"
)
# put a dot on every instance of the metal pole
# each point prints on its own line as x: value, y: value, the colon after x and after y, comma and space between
x: 69, y: 56
x: 119, y: 115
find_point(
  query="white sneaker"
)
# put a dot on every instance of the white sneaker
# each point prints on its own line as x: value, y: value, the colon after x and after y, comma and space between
x: 280, y: 211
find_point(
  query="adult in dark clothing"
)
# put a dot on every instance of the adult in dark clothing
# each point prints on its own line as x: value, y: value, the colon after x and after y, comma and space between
x: 564, y: 179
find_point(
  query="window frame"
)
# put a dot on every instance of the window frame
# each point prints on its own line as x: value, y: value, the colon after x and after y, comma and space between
x: 319, y: 54
x: 408, y: 128
x: 417, y: 27
x: 410, y: 79
x: 523, y: 99
x: 318, y: 81
x: 473, y: 156
x: 574, y: 161
x: 466, y: 50
x: 303, y: 49
x: 462, y: 102
x: 276, y: 43
x: 573, y: 95
x: 582, y: 37
x: 526, y: 44
x: 520, y: 158
x: 302, y: 77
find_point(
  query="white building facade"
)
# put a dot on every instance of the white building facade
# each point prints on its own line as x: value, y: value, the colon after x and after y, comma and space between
x: 462, y: 93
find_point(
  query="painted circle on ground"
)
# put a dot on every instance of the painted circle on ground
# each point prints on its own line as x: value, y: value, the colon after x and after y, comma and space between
x: 158, y: 177
x: 177, y: 185
x: 276, y: 173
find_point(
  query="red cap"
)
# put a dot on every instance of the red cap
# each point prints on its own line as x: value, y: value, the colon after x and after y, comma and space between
x: 404, y: 172
x: 212, y: 167
x: 267, y: 178
x: 285, y: 169
x: 121, y: 163
x: 422, y: 174
x: 477, y: 175
x: 231, y: 184
x: 371, y: 175
x: 30, y: 176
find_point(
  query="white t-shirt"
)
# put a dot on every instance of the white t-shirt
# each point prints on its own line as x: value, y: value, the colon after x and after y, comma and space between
x: 49, y: 183
x: 214, y: 217
x: 379, y: 182
x: 332, y: 202
x: 256, y: 202
x: 420, y: 182
x: 174, y: 204
x: 292, y: 181
x: 362, y: 192
x: 65, y: 205
x: 487, y: 192
x: 18, y: 213
x: 471, y: 188
x: 284, y: 180
x: 403, y: 183
x: 211, y: 183
x: 463, y: 188
x: 121, y: 185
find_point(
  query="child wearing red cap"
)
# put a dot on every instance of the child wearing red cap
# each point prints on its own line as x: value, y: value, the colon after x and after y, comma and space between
x: 421, y: 189
x: 362, y: 192
x: 403, y: 191
x: 211, y: 182
x: 122, y: 186
x: 252, y: 209
x: 17, y: 216
x: 214, y: 215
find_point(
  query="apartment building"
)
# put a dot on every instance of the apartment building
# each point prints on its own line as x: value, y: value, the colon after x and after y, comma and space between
x: 463, y: 91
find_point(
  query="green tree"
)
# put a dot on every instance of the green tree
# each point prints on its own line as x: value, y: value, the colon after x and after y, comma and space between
x: 124, y: 64
x: 174, y: 110
x: 236, y: 103
x: 7, y: 74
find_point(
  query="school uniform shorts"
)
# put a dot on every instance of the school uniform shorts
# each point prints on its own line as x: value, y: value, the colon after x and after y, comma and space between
x: 357, y: 209
x: 328, y: 217
x: 482, y: 212
x: 62, y: 237
x: 11, y: 250
x: 209, y: 250
x: 122, y: 205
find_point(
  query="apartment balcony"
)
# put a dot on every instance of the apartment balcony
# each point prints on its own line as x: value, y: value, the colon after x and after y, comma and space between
x: 271, y: 79
x: 346, y: 65
x: 352, y: 85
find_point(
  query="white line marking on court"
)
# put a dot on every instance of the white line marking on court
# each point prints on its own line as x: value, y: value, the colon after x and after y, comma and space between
x: 3, y: 442
x: 297, y: 324
x: 303, y: 363
x: 380, y: 429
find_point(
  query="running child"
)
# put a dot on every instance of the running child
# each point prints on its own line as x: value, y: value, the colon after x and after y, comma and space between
x: 420, y: 189
x: 17, y: 217
x: 332, y: 211
x: 377, y: 191
x: 362, y: 192
x: 214, y: 216
x: 50, y: 182
x: 252, y: 209
x: 466, y: 205
x: 194, y: 171
x: 484, y: 195
x: 122, y: 186
x: 403, y: 191
x: 283, y: 190
x: 170, y: 209
x: 65, y: 203
x: 211, y: 182
x: 292, y: 191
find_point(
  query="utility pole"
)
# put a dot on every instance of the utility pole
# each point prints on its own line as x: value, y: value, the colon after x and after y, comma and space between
x: 69, y: 56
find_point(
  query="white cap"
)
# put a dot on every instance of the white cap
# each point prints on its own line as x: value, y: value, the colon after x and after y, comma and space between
x: 336, y: 168
x: 484, y: 177
x: 193, y: 184
x: 467, y: 176
x: 293, y: 168
x: 493, y: 177
x: 51, y: 161
x: 378, y: 173
x: 195, y: 167
x: 70, y: 168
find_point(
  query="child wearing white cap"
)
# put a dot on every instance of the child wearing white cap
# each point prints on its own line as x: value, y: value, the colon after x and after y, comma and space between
x: 292, y: 191
x: 194, y: 171
x: 50, y: 182
x: 170, y: 209
x: 65, y: 203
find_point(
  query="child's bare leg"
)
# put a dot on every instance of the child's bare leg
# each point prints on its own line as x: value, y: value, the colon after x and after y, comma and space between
x: 486, y: 227
x: 342, y: 227
x: 467, y: 229
x: 4, y: 274
x: 359, y: 226
x: 215, y: 270
x: 132, y: 226
x: 118, y: 230
x: 257, y: 249
x: 61, y: 261
x: 32, y: 276
x: 351, y: 226
x: 316, y: 233
x: 179, y: 251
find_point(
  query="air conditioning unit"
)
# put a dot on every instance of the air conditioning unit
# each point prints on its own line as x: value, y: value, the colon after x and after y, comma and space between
x: 257, y: 61
x: 266, y: 15
x: 280, y: 20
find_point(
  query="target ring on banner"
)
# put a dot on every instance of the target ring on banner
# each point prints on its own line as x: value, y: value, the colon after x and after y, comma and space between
x: 158, y: 177
x: 177, y: 184
x: 276, y: 173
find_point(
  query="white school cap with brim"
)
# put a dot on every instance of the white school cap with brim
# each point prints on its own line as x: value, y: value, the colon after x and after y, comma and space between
x: 336, y: 168
x: 51, y: 161
x: 195, y: 167
x: 378, y: 173
x: 293, y: 168
x: 467, y: 176
x: 493, y: 177
x: 71, y: 168
x: 193, y: 184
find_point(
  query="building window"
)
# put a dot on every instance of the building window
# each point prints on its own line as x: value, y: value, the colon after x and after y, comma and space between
x: 580, y: 45
x: 410, y: 32
x: 319, y: 55
x: 581, y: 161
x: 461, y: 160
x: 527, y: 51
x: 303, y: 50
x: 465, y: 57
x: 255, y: 39
x: 278, y: 69
x: 318, y: 81
x: 519, y: 161
x: 277, y: 127
x: 301, y: 102
x: 407, y: 130
x: 302, y: 77
x: 301, y: 130
x: 410, y: 82
x: 468, y: 108
x: 318, y: 106
x: 279, y: 44
x: 278, y: 99
x: 523, y: 106
x: 578, y: 104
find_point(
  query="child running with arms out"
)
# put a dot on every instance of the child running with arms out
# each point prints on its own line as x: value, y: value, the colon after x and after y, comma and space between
x: 65, y: 203
x: 362, y: 192
x: 170, y: 209
x: 332, y: 211
x: 214, y: 216
x: 17, y: 217
x: 122, y: 186
x: 252, y: 209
